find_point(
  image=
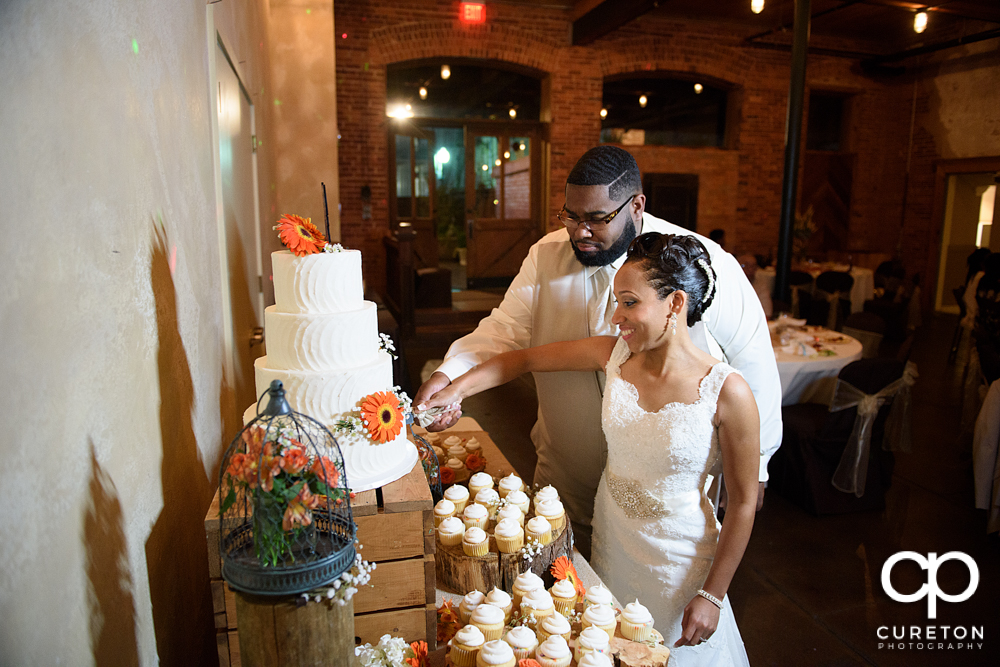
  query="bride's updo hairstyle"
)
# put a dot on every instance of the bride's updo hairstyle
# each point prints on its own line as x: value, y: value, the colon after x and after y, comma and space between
x: 673, y: 262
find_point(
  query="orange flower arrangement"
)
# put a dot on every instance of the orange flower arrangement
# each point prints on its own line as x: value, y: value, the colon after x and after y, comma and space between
x: 293, y: 461
x: 300, y: 235
x: 447, y: 476
x: 528, y: 662
x: 326, y: 471
x: 448, y: 622
x: 381, y: 415
x: 419, y: 658
x: 297, y: 513
x: 475, y: 462
x: 562, y: 568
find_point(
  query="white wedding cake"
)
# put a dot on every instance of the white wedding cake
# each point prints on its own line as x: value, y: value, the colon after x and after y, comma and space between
x: 323, y: 344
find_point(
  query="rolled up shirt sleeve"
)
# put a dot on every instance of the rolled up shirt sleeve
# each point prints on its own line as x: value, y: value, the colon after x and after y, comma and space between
x: 508, y: 327
x: 736, y: 320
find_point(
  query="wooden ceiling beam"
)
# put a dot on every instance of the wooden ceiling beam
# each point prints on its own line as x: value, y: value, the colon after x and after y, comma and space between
x: 605, y: 17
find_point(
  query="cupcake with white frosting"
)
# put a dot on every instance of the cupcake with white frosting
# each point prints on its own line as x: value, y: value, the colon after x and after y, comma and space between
x: 439, y: 453
x: 459, y: 495
x: 636, y: 622
x: 509, y: 536
x: 598, y: 594
x: 524, y: 584
x: 553, y: 624
x: 443, y: 510
x: 511, y: 512
x: 469, y: 603
x: 592, y: 640
x: 475, y: 516
x: 473, y: 446
x: 564, y: 596
x: 523, y: 641
x: 433, y: 439
x: 537, y: 603
x: 546, y: 493
x: 501, y: 598
x: 601, y: 616
x: 538, y: 528
x: 520, y: 500
x: 452, y: 440
x: 496, y: 653
x: 465, y: 645
x: 594, y: 659
x: 451, y: 531
x: 478, y: 482
x: 489, y: 620
x: 457, y: 452
x: 509, y: 484
x: 457, y: 467
x: 475, y: 542
x: 553, y: 652
x: 553, y: 512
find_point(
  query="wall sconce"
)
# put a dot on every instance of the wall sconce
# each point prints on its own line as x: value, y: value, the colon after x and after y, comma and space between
x: 698, y: 88
x: 445, y: 72
x: 642, y: 101
x: 920, y: 22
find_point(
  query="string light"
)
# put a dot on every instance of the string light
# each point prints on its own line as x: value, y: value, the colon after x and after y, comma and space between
x: 642, y: 101
x: 506, y: 155
x: 521, y: 146
x: 445, y: 71
x: 604, y: 114
x: 698, y: 88
x: 497, y: 162
x: 756, y: 6
x: 423, y: 93
x: 920, y: 22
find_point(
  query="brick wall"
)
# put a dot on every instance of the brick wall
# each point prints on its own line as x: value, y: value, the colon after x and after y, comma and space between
x: 741, y: 185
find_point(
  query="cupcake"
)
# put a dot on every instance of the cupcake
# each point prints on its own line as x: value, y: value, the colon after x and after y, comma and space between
x: 451, y: 531
x: 478, y: 482
x: 475, y: 516
x: 538, y: 528
x: 592, y: 640
x: 538, y: 603
x: 458, y: 468
x: 501, y: 598
x: 489, y: 499
x: 496, y: 653
x: 636, y: 622
x: 459, y: 495
x: 509, y: 535
x: 489, y: 620
x: 457, y: 452
x: 508, y: 484
x: 475, y: 542
x: 553, y: 652
x: 524, y: 584
x: 443, y: 510
x: 520, y: 500
x: 468, y: 605
x: 564, y: 596
x: 523, y: 641
x: 439, y: 453
x: 465, y: 646
x: 601, y: 616
x: 434, y: 439
x: 594, y: 659
x: 546, y: 493
x: 453, y: 440
x: 598, y: 594
x: 473, y: 447
x: 553, y: 511
x: 512, y: 512
x: 554, y: 624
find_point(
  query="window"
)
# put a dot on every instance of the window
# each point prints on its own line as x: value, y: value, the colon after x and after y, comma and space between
x: 470, y: 91
x: 658, y: 111
x: 824, y: 130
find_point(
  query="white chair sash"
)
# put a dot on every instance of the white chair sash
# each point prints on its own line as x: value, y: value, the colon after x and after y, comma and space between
x: 833, y: 298
x: 852, y: 471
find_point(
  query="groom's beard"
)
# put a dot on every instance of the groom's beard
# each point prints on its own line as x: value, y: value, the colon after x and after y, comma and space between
x: 605, y: 257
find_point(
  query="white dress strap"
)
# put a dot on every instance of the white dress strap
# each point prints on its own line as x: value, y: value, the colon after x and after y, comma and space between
x: 711, y: 386
x: 619, y: 355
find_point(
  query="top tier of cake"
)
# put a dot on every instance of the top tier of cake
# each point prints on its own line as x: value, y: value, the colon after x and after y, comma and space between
x: 320, y: 283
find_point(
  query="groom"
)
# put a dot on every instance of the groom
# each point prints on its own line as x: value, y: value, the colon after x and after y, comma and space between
x: 564, y: 292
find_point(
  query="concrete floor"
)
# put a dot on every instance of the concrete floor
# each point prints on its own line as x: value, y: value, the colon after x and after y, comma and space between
x: 808, y: 591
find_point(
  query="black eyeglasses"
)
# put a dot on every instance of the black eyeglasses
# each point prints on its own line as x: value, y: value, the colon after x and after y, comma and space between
x: 573, y: 223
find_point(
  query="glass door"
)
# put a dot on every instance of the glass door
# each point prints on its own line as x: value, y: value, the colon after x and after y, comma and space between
x: 412, y: 190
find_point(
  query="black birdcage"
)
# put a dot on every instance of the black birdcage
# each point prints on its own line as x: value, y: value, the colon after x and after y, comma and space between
x: 429, y: 461
x: 285, y: 523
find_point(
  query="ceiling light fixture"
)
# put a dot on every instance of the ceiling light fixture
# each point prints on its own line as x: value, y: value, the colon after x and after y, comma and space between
x: 642, y: 101
x: 756, y: 6
x: 920, y: 22
x: 423, y: 93
x: 604, y: 114
x: 400, y: 111
x: 513, y: 113
x: 445, y: 71
x: 698, y: 88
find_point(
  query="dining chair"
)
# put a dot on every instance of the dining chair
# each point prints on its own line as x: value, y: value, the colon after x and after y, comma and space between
x: 800, y: 284
x: 868, y: 328
x: 831, y: 302
x: 814, y: 440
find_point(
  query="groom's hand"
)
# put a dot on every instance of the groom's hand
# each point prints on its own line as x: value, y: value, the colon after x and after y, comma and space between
x: 435, y: 383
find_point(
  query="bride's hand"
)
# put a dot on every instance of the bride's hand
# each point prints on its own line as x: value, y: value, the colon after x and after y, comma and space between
x: 701, y: 618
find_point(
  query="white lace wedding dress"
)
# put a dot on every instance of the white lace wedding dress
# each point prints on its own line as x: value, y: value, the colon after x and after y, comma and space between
x: 655, y: 530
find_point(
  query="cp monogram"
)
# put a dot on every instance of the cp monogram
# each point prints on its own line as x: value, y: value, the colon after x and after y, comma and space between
x: 930, y: 590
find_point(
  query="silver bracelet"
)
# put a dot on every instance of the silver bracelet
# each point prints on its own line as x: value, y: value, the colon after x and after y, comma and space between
x: 711, y: 598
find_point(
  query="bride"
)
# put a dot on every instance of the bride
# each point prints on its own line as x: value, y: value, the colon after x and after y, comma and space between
x: 670, y: 412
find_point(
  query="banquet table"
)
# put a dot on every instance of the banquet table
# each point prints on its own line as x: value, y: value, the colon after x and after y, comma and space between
x: 811, y: 379
x: 863, y: 289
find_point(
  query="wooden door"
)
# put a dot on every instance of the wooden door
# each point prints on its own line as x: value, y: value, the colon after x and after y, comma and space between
x: 411, y: 178
x: 503, y: 202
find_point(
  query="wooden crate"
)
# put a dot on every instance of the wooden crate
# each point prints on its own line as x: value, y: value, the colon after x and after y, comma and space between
x: 396, y: 531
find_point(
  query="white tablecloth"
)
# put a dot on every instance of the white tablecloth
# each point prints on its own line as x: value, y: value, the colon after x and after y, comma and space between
x: 864, y: 285
x: 813, y: 379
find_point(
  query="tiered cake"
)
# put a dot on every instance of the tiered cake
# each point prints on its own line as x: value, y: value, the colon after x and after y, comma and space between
x: 323, y: 344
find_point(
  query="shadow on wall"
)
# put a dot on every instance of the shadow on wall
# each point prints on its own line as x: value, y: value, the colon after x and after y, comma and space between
x: 110, y: 601
x: 176, y: 556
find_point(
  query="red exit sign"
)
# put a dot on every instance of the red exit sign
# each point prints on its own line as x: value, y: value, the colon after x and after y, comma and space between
x: 472, y: 12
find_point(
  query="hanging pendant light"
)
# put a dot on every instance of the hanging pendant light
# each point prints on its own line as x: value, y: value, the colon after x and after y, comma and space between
x: 756, y: 6
x: 642, y: 101
x: 445, y: 71
x: 920, y: 22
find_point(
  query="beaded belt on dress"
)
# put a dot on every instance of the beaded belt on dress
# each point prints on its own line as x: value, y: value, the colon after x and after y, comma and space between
x: 637, y: 503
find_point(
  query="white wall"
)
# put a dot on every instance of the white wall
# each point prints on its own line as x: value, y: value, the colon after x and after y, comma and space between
x: 111, y: 328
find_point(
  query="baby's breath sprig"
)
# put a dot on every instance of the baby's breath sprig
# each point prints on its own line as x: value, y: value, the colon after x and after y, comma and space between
x: 522, y: 618
x: 385, y: 343
x: 333, y: 247
x: 343, y: 589
x: 530, y: 550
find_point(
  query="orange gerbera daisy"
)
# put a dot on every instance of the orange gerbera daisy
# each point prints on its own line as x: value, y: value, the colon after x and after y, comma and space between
x: 448, y: 622
x: 381, y: 414
x: 300, y: 235
x: 528, y: 662
x: 419, y: 658
x: 562, y: 568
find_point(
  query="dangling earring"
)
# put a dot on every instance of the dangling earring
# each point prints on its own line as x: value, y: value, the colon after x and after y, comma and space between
x: 672, y: 323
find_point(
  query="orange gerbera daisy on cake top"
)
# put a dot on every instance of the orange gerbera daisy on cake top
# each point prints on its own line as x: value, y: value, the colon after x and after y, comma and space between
x: 300, y: 235
x: 381, y: 415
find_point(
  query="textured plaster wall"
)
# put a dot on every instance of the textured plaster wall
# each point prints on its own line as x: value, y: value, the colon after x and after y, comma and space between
x: 111, y: 329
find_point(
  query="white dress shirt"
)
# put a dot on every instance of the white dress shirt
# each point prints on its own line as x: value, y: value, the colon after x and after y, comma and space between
x: 555, y: 298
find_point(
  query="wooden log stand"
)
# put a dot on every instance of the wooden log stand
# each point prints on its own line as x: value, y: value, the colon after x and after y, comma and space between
x: 284, y: 633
